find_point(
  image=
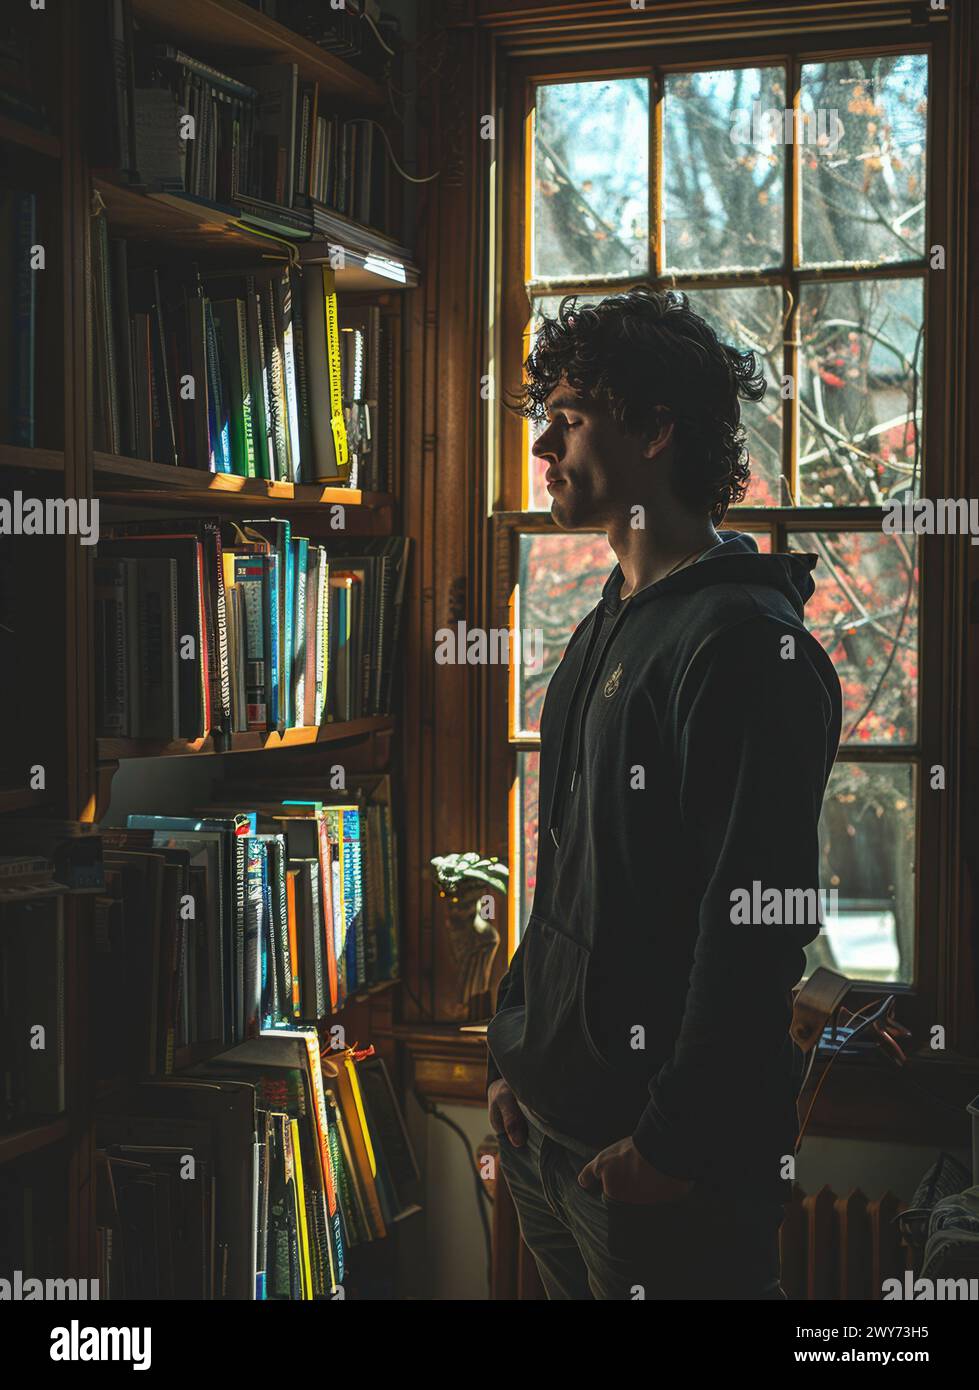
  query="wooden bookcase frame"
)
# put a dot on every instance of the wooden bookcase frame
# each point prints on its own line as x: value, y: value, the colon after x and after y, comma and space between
x: 82, y: 764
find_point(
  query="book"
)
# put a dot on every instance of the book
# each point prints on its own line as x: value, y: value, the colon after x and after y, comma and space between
x: 329, y: 438
x: 230, y: 322
x: 190, y: 636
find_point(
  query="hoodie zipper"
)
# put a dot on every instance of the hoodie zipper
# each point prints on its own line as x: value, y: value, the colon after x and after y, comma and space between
x: 557, y: 810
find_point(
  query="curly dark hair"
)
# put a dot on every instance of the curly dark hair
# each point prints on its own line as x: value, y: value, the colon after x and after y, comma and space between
x: 645, y: 354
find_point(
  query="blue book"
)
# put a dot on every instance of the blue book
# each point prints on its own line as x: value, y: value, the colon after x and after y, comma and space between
x: 267, y: 960
x: 301, y: 547
x: 353, y: 898
x: 256, y: 870
x: 278, y: 533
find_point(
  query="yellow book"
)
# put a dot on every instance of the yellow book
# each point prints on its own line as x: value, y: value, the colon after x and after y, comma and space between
x: 301, y: 1227
x: 341, y: 1067
x: 337, y: 421
x: 228, y: 565
x: 311, y: 1039
x: 361, y: 1115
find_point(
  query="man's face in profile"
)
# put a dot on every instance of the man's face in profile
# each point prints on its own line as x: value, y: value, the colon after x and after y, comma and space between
x: 588, y: 459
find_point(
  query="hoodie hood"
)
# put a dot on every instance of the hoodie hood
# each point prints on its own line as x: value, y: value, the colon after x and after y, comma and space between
x: 735, y: 561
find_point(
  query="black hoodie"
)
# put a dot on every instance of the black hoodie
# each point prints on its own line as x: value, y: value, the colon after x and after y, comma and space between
x: 705, y: 729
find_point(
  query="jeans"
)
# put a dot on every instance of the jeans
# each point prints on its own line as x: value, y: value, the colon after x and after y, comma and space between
x: 710, y: 1244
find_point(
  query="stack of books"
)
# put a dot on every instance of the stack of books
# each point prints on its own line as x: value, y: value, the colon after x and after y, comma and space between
x: 253, y: 137
x: 298, y: 1156
x: 257, y: 378
x: 370, y: 47
x: 245, y: 916
x: 204, y: 627
x: 25, y: 876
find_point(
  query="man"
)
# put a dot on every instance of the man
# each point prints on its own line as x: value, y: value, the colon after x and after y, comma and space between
x: 642, y: 1080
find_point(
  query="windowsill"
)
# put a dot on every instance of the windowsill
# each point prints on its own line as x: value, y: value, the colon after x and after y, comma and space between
x: 861, y: 1099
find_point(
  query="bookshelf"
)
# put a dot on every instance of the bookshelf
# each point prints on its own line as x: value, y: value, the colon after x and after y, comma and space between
x: 60, y: 162
x: 219, y: 26
x: 31, y: 460
x: 371, y: 261
x: 115, y: 748
x: 118, y: 479
x: 25, y: 137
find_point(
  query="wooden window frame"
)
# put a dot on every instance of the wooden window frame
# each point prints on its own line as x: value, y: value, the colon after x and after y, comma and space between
x: 941, y: 992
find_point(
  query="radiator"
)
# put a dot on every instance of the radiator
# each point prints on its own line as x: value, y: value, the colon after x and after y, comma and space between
x: 840, y: 1248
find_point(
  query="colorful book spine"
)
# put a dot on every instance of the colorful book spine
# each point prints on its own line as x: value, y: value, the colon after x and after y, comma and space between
x: 337, y: 422
x: 249, y: 576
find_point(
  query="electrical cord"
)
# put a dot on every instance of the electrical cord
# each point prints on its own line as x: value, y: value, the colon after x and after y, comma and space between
x: 881, y: 1010
x: 409, y: 178
x: 430, y: 1108
x: 362, y: 14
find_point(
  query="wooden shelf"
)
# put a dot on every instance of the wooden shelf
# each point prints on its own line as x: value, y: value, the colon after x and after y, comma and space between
x: 184, y: 223
x: 28, y: 137
x: 137, y: 481
x: 371, y: 261
x: 231, y: 25
x: 31, y: 460
x: 115, y: 749
x: 363, y: 268
x: 19, y: 1142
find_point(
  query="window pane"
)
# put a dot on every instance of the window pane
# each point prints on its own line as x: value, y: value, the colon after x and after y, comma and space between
x: 524, y: 852
x: 862, y: 191
x: 561, y: 579
x: 861, y: 391
x: 867, y: 847
x: 865, y: 613
x: 723, y: 206
x: 752, y: 318
x: 748, y: 318
x: 591, y: 180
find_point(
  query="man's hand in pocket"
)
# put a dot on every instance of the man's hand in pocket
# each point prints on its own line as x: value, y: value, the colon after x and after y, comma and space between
x: 621, y: 1172
x: 505, y: 1114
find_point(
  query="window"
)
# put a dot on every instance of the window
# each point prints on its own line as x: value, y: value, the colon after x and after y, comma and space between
x: 788, y: 196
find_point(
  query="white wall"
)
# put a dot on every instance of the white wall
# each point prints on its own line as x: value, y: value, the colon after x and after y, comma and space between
x: 442, y: 1256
